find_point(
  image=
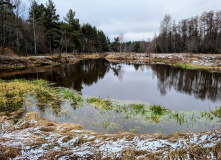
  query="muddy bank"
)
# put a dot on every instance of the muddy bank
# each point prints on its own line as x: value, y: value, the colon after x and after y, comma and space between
x: 209, y: 62
x: 36, y: 138
x: 7, y: 62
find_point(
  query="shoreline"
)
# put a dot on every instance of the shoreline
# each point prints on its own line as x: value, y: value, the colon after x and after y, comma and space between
x: 209, y: 62
x: 34, y: 137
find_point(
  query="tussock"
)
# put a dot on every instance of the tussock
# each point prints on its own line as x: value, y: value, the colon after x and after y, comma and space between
x: 9, y: 152
x: 40, y: 138
x: 69, y: 126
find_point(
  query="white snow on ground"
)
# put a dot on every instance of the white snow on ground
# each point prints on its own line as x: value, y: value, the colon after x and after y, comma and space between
x: 36, y: 143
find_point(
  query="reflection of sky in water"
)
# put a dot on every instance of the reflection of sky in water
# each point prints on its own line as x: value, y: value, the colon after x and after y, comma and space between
x: 142, y: 85
x: 103, y: 121
x: 171, y: 87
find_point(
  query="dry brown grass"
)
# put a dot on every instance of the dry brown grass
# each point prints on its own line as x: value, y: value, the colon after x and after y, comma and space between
x: 65, y: 131
x: 9, y: 52
x: 47, y: 129
x: 70, y: 126
x: 174, y: 137
x: 7, y: 153
x: 217, y: 150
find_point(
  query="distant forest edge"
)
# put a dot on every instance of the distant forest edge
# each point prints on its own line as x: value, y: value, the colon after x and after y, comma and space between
x: 199, y: 34
x: 43, y: 32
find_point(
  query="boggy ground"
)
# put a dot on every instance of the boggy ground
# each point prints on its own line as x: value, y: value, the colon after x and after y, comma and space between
x: 36, y: 138
x: 15, y: 62
x: 210, y: 62
x: 32, y: 137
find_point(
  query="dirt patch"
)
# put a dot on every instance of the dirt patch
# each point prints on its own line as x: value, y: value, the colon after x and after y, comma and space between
x: 31, y: 137
x: 7, y: 52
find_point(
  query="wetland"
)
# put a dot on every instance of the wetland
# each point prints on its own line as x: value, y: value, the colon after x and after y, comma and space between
x: 127, y: 92
x: 96, y: 109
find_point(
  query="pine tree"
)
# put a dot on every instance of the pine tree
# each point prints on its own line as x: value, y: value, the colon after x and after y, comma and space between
x: 157, y: 48
x: 72, y: 31
x: 51, y: 26
x: 116, y: 44
x: 6, y: 22
x: 137, y: 48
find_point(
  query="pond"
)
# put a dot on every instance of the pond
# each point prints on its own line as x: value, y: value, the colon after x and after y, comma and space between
x: 174, y: 88
x: 185, y: 92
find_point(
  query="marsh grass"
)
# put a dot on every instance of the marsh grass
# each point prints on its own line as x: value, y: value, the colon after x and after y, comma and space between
x: 207, y: 115
x: 70, y: 95
x: 184, y: 66
x: 217, y: 112
x: 155, y: 118
x: 137, y: 108
x: 190, y: 66
x: 179, y: 117
x: 158, y: 60
x: 8, y: 152
x: 158, y: 109
x: 13, y: 93
x: 105, y: 104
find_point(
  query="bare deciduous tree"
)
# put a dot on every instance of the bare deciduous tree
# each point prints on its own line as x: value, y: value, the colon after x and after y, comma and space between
x: 121, y: 37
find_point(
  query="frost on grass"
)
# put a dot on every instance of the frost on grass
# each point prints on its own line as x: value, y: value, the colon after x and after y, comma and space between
x: 37, y: 138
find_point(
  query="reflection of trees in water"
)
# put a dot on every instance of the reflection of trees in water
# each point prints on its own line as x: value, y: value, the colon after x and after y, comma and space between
x: 200, y: 83
x: 85, y: 72
x: 117, y: 69
x: 74, y: 76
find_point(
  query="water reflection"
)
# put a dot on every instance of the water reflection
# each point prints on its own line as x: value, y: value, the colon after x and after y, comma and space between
x: 130, y: 118
x: 201, y: 84
x: 174, y: 88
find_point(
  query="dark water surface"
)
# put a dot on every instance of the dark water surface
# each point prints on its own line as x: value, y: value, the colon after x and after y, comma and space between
x: 186, y: 91
x: 174, y: 88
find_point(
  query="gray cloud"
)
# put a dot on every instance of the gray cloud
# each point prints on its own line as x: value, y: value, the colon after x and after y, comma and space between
x: 136, y: 19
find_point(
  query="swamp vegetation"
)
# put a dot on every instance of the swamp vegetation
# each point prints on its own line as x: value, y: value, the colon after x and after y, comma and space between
x: 51, y: 114
x: 59, y: 104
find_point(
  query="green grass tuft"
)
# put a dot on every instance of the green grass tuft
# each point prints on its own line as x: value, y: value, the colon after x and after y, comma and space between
x: 157, y: 109
x: 217, y: 112
x: 104, y: 103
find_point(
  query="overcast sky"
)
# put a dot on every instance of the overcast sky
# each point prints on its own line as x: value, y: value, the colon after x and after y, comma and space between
x: 136, y: 19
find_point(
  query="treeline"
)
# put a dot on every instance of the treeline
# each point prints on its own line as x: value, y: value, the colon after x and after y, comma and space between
x: 43, y: 32
x: 200, y: 34
x: 127, y: 47
x: 135, y: 46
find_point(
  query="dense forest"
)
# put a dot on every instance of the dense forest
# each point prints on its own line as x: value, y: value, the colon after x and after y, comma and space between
x: 199, y: 34
x: 43, y: 32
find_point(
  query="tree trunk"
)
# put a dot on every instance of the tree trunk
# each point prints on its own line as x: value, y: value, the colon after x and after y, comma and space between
x: 34, y: 35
